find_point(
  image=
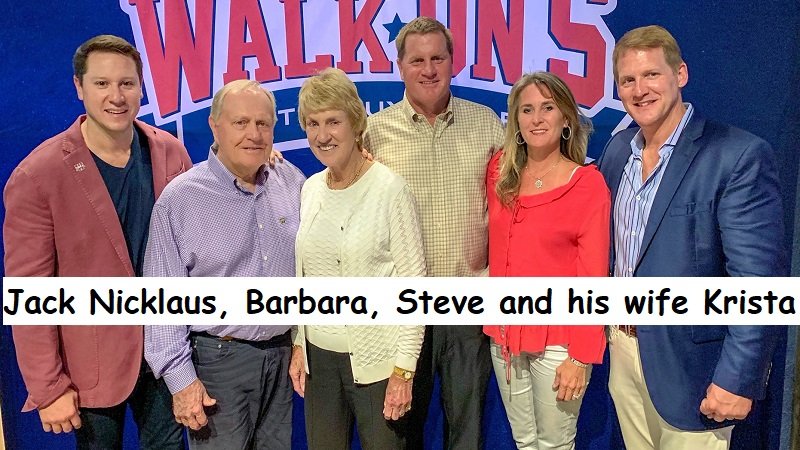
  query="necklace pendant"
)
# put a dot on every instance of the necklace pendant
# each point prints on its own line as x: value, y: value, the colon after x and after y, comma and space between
x: 538, y: 183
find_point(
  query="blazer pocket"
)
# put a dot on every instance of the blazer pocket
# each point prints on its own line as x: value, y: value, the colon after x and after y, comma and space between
x: 80, y: 349
x: 707, y: 333
x: 692, y: 208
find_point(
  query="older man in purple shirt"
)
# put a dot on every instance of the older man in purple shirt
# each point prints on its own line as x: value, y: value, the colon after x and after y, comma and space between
x: 230, y: 216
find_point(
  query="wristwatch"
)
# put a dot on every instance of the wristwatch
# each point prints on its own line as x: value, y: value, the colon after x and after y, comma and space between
x: 404, y: 374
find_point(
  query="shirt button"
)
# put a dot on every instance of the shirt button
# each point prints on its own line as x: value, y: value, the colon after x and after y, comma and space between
x: 341, y: 228
x: 260, y: 226
x: 633, y: 233
x: 630, y: 269
x: 338, y: 261
x: 264, y: 258
x: 638, y: 197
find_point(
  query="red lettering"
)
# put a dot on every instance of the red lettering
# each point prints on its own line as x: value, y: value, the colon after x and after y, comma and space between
x: 296, y: 64
x: 179, y: 47
x: 246, y: 15
x: 353, y: 32
x: 586, y: 39
x: 458, y: 28
x: 494, y: 32
x: 427, y: 8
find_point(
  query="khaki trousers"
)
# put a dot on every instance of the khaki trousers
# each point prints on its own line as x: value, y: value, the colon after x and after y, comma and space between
x: 642, y: 426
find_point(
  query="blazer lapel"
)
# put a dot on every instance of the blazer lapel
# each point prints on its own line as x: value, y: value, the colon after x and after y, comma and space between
x: 612, y: 165
x: 158, y: 158
x: 616, y: 165
x: 682, y: 157
x: 80, y: 163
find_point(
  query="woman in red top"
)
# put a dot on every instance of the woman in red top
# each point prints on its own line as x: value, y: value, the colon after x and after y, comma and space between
x: 548, y: 216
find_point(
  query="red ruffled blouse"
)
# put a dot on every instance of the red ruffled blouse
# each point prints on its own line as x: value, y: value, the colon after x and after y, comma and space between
x: 560, y: 233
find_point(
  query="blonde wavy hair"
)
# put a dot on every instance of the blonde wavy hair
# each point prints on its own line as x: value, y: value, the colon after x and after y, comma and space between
x: 515, y: 155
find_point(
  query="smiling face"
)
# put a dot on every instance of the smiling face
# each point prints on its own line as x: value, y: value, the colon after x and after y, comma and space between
x: 111, y: 92
x: 331, y: 138
x: 540, y: 121
x: 244, y: 132
x: 650, y: 89
x: 426, y: 69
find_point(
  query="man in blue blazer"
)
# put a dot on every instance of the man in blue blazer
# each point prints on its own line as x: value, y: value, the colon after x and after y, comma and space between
x: 691, y: 198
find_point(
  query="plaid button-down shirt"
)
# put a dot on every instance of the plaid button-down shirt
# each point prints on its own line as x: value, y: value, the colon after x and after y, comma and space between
x: 445, y: 165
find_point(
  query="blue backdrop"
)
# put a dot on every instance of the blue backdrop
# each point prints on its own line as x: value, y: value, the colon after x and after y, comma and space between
x: 743, y: 69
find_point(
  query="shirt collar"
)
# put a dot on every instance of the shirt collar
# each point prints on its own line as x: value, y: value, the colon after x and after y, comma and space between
x: 228, y: 179
x: 637, y: 143
x: 446, y: 115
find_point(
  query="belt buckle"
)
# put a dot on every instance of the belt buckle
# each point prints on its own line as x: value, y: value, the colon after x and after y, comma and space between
x: 628, y: 330
x: 226, y: 338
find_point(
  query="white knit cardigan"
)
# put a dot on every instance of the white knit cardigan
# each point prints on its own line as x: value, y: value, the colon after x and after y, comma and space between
x: 382, y: 238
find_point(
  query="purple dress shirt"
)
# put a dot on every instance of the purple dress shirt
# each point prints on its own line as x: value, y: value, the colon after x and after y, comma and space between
x: 206, y: 225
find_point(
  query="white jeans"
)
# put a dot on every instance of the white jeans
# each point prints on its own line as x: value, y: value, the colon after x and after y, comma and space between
x: 642, y: 426
x: 538, y: 421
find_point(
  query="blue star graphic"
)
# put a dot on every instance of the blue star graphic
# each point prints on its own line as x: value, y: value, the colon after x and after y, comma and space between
x: 394, y: 27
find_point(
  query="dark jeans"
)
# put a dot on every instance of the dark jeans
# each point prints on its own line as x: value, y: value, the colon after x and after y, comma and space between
x: 460, y: 354
x: 151, y: 404
x: 250, y: 381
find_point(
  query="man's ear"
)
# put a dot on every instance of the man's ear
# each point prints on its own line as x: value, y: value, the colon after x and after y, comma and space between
x: 213, y: 126
x: 400, y: 69
x: 78, y: 87
x: 683, y: 75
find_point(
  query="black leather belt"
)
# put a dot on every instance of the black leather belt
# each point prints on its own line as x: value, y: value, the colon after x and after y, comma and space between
x: 280, y: 340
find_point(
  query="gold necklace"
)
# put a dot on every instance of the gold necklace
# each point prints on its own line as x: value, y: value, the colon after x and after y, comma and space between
x: 538, y: 183
x: 329, y: 179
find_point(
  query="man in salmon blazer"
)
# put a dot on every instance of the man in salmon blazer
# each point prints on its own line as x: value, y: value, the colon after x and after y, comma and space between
x: 79, y: 205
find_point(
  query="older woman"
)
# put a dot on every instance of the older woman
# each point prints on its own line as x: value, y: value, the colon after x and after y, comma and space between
x: 548, y: 216
x: 357, y: 218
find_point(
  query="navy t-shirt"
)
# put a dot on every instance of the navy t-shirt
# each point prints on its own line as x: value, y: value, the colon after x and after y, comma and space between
x: 131, y: 190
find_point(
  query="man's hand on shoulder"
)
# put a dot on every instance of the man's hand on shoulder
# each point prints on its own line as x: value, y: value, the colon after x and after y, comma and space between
x: 62, y: 415
x: 721, y: 405
x: 275, y: 157
x: 188, y: 405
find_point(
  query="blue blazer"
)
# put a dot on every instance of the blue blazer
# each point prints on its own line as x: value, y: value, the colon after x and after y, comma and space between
x: 717, y: 213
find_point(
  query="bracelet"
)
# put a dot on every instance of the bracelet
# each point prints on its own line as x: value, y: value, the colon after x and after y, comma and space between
x: 582, y: 365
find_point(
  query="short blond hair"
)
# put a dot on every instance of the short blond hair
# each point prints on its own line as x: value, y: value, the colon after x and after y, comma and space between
x: 422, y: 25
x: 239, y: 86
x: 651, y: 36
x: 332, y: 90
